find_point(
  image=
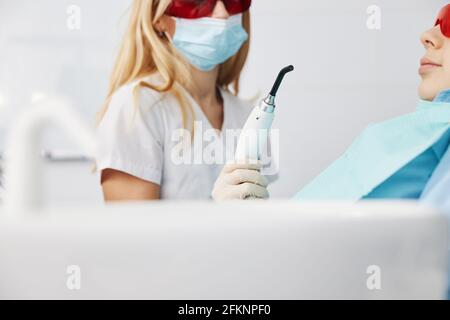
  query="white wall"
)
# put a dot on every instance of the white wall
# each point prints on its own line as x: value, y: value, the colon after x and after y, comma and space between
x: 346, y: 75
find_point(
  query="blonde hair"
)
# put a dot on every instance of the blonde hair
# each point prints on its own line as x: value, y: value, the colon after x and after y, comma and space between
x: 145, y: 52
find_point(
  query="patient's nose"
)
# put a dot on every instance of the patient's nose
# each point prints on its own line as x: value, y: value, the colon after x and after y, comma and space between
x: 432, y: 38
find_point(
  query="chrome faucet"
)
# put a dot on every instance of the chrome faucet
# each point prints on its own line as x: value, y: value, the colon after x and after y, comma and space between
x: 23, y: 163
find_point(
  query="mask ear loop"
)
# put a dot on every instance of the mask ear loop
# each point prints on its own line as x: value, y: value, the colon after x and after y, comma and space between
x: 167, y: 35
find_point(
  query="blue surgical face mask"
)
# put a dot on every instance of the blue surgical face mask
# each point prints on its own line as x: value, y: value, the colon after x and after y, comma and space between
x: 208, y: 42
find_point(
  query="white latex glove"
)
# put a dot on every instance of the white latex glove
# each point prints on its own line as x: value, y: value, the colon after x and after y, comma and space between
x: 240, y: 181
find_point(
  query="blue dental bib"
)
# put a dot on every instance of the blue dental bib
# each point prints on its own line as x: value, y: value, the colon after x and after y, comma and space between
x: 377, y: 162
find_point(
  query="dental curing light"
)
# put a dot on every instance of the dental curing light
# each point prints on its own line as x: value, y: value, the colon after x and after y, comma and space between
x: 254, y: 135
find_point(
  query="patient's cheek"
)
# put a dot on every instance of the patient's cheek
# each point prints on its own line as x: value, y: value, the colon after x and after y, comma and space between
x: 442, y: 81
x: 447, y: 78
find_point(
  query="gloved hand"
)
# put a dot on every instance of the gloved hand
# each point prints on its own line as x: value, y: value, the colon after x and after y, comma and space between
x: 240, y: 181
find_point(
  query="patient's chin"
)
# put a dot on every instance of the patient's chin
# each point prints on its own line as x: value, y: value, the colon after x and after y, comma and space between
x: 426, y: 92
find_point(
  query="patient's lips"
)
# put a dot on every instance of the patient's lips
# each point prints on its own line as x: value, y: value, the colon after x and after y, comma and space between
x: 427, y: 65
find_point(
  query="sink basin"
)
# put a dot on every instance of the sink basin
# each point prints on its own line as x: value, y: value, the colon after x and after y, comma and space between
x: 236, y: 250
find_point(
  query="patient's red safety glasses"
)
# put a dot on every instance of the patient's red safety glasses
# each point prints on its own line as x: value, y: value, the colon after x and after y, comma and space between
x: 194, y: 9
x: 443, y: 20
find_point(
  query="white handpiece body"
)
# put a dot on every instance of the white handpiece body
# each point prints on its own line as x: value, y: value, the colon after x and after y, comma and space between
x: 254, y: 136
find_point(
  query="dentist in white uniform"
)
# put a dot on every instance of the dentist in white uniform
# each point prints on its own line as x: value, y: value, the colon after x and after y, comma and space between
x: 176, y: 65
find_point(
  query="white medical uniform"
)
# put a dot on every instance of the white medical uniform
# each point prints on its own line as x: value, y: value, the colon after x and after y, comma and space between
x: 138, y: 139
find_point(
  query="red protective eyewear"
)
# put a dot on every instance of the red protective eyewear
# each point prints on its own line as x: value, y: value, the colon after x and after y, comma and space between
x: 443, y: 20
x: 194, y: 9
